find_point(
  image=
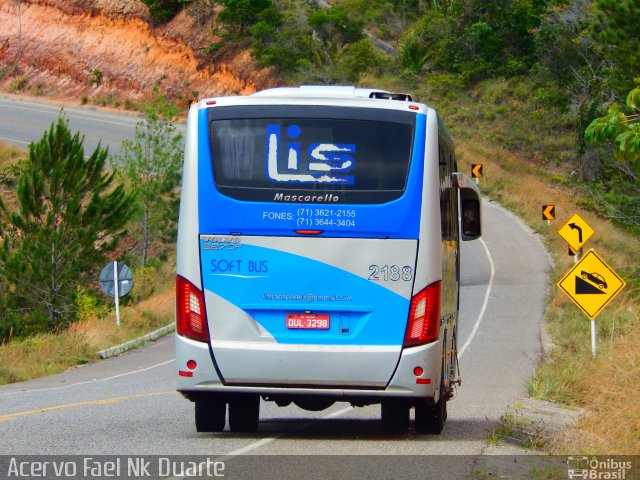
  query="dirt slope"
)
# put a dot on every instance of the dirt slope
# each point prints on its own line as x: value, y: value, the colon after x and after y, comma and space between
x: 106, y: 51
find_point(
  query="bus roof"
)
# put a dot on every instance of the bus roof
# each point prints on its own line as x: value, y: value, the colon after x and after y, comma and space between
x: 315, y: 91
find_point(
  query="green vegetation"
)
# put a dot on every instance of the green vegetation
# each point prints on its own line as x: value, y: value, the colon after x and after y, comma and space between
x: 26, y: 354
x: 238, y: 14
x: 68, y: 217
x: 620, y: 133
x: 570, y: 59
x: 19, y: 84
x: 152, y: 164
x: 164, y: 10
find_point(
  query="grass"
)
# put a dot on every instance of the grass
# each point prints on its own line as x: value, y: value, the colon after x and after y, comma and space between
x: 42, y: 355
x: 9, y: 155
x: 517, y: 428
x: 47, y: 354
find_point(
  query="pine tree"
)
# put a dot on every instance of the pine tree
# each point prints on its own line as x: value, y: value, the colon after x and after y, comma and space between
x: 69, y: 216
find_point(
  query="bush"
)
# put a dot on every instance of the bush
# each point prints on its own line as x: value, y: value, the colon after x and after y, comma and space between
x: 164, y: 10
x: 356, y: 58
x: 19, y: 84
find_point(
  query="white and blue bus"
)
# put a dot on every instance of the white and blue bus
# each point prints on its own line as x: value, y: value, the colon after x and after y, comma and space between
x: 318, y: 256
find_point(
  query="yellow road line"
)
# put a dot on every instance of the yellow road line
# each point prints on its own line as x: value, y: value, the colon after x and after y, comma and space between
x: 104, y: 401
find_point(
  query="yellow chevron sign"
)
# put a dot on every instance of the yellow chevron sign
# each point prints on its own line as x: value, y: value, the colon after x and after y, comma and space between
x: 548, y: 212
x: 476, y: 170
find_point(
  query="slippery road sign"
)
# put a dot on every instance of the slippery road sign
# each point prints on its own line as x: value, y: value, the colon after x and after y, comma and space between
x: 591, y: 284
x: 576, y: 232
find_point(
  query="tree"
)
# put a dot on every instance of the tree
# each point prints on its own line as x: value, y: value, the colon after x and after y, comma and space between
x: 152, y: 162
x: 356, y: 58
x: 241, y: 13
x: 336, y: 26
x: 620, y: 131
x: 69, y: 216
x: 284, y: 40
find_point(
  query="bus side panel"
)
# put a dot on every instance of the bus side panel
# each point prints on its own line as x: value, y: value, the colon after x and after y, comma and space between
x: 429, y: 261
x: 188, y: 260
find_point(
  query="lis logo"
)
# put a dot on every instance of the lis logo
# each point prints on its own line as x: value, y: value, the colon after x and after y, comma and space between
x: 323, y: 162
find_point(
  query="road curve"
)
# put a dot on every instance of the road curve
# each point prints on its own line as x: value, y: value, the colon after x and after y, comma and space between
x: 128, y: 406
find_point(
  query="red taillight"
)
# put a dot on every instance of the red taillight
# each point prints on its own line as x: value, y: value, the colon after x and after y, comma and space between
x: 191, y: 320
x: 424, y: 317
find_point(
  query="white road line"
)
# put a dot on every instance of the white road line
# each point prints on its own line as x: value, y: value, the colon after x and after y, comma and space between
x: 70, y: 114
x: 264, y: 441
x: 484, y: 304
x: 13, y: 140
x: 133, y: 372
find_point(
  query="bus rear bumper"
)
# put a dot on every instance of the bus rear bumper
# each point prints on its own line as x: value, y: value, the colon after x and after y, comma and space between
x: 204, y: 380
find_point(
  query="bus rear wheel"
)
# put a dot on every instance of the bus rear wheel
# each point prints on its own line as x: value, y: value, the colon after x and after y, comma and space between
x: 210, y: 415
x: 244, y: 413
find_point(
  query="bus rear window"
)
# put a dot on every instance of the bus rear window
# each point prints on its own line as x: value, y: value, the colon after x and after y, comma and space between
x: 298, y: 158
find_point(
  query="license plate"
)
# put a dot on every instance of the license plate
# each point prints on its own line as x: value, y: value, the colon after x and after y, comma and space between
x: 308, y: 321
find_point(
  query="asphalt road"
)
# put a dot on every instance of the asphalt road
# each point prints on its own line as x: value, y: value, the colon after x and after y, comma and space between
x: 23, y: 121
x: 128, y: 405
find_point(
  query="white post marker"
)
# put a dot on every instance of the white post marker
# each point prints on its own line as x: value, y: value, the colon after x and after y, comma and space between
x: 593, y: 338
x: 117, y: 293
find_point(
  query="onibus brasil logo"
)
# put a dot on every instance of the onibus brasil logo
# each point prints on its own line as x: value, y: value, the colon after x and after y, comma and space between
x: 599, y: 468
x: 323, y: 163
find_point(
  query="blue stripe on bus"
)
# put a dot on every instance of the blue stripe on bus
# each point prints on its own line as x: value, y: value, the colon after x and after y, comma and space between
x: 268, y: 284
x: 396, y: 219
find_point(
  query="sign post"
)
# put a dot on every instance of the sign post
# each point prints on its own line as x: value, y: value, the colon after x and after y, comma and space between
x: 476, y: 172
x: 116, y: 295
x: 116, y: 280
x: 548, y: 213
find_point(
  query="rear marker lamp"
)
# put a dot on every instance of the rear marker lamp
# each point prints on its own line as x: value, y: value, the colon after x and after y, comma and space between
x: 424, y: 317
x: 191, y: 366
x: 191, y: 320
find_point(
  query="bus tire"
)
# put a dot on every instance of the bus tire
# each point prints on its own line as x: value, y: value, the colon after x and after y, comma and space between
x: 429, y: 417
x: 244, y: 413
x: 395, y: 415
x: 210, y: 415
